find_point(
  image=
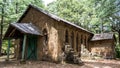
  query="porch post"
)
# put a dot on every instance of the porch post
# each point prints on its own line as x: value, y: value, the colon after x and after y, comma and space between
x: 23, y: 49
x: 8, y: 49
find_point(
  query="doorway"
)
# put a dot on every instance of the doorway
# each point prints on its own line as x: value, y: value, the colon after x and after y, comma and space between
x: 32, y: 47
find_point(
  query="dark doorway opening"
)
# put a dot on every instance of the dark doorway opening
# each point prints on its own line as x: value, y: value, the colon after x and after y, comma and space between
x: 32, y: 47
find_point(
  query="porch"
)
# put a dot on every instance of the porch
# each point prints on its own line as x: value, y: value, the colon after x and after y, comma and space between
x: 27, y: 33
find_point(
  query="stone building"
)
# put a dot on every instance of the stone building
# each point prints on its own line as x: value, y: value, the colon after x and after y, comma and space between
x: 41, y: 35
x: 103, y: 45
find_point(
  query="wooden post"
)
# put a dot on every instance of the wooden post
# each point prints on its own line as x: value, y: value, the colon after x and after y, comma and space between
x: 23, y: 49
x: 8, y: 50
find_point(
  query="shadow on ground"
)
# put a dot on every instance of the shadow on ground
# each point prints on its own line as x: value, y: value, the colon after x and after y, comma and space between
x: 43, y: 64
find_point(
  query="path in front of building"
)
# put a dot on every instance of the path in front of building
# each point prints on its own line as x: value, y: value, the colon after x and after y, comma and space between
x: 43, y: 64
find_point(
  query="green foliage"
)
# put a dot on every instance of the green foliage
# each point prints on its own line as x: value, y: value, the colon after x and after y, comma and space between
x: 117, y: 49
x: 13, y: 9
x: 92, y: 14
x: 5, y: 45
x: 64, y: 10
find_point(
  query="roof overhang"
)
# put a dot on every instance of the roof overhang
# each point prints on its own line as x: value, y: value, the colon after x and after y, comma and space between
x: 15, y: 30
x: 103, y: 36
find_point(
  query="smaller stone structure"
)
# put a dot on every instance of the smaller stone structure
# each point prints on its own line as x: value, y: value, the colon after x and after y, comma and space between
x: 103, y: 45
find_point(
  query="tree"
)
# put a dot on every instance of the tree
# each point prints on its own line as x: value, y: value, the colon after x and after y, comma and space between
x: 88, y: 14
x: 2, y: 20
x: 104, y: 10
x: 67, y: 9
x: 115, y: 19
x: 116, y: 25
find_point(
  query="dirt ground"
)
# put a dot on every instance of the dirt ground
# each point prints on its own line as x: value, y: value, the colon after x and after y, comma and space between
x: 44, y: 64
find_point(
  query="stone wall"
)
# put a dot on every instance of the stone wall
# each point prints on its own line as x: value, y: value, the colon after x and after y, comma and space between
x: 103, y: 48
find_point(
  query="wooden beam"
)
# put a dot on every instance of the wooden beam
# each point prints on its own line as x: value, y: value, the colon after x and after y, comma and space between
x: 12, y: 32
x: 23, y: 49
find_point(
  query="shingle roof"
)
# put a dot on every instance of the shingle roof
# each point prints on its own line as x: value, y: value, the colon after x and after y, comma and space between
x: 102, y: 36
x: 16, y: 30
x: 27, y: 28
x: 52, y: 16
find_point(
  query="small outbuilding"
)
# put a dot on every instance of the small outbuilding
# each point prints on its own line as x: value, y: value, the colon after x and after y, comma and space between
x: 103, y: 45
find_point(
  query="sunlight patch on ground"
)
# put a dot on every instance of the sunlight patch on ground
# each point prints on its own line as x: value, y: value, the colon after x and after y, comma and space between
x: 96, y: 67
x: 106, y: 67
x: 3, y: 58
x: 102, y: 67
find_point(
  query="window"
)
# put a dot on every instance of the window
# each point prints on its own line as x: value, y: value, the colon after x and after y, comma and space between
x: 66, y: 36
x: 77, y: 47
x: 45, y: 36
x: 81, y: 39
x: 85, y: 41
x: 72, y: 40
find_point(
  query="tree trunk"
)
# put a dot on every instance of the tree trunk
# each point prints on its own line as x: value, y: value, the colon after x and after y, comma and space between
x: 0, y: 46
x: 1, y: 33
x: 101, y: 25
x: 119, y: 36
x: 2, y: 20
x: 16, y: 11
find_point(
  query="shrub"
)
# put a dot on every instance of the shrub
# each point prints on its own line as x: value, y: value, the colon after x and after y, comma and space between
x: 117, y: 49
